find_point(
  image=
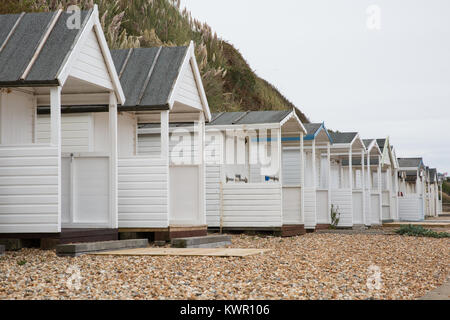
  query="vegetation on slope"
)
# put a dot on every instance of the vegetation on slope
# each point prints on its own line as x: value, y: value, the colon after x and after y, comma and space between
x: 230, y: 83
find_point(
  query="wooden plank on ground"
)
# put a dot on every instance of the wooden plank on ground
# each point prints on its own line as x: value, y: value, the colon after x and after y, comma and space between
x: 199, y: 252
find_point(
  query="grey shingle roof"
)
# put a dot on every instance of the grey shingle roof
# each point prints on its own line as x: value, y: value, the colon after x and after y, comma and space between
x: 409, y: 162
x: 147, y: 75
x: 250, y: 117
x: 381, y: 143
x: 311, y: 128
x: 20, y: 37
x: 343, y: 137
x: 367, y: 142
x: 433, y: 175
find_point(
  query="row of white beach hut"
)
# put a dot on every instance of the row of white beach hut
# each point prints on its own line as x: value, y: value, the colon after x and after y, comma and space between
x: 95, y: 142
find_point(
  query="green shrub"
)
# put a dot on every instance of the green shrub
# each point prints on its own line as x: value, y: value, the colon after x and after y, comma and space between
x: 419, y: 231
x: 21, y: 262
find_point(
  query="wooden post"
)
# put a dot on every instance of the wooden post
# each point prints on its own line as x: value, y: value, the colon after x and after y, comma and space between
x: 165, y: 135
x: 417, y: 182
x: 396, y: 187
x: 314, y: 177
x: 302, y: 177
x: 379, y: 189
x: 280, y: 170
x: 329, y: 181
x: 313, y: 157
x: 55, y: 138
x: 363, y: 185
x: 350, y: 169
x: 202, y: 168
x: 165, y: 155
x: 369, y: 189
x: 113, y: 161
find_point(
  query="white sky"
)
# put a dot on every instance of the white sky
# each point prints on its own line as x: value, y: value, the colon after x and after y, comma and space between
x: 322, y: 56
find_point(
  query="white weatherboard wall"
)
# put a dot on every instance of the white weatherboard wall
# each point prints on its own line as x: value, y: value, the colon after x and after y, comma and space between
x: 310, y: 207
x: 213, y: 195
x: 292, y: 201
x: 291, y: 160
x: 28, y: 189
x: 17, y: 109
x: 291, y: 167
x: 358, y: 209
x: 375, y: 209
x: 322, y: 207
x: 143, y: 193
x: 182, y: 146
x: 90, y: 64
x: 386, y: 205
x: 188, y: 92
x: 252, y: 205
x: 411, y: 208
x: 76, y: 132
x: 89, y: 132
x: 368, y: 208
x: 342, y: 200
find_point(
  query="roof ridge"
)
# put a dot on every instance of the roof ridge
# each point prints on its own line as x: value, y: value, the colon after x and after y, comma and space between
x: 130, y: 51
x: 41, y: 43
x: 217, y: 116
x: 75, y: 41
x: 240, y: 117
x: 149, y: 75
x: 16, y: 24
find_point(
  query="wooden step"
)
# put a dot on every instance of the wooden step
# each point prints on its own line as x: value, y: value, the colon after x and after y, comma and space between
x: 215, y: 241
x: 76, y: 249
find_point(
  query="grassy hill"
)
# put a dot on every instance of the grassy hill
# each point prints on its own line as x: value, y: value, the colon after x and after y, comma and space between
x: 230, y: 83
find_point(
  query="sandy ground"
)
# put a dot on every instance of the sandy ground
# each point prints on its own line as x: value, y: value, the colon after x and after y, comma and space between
x: 314, y: 266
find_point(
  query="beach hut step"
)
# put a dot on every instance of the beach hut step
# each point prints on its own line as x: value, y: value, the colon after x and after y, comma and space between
x: 214, y: 241
x: 76, y: 249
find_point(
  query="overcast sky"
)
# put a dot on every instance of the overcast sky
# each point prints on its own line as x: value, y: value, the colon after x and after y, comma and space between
x: 330, y: 59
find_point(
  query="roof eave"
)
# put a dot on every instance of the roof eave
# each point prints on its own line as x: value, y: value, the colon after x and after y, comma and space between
x: 162, y: 107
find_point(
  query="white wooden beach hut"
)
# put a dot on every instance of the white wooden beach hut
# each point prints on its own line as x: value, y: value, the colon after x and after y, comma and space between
x: 46, y: 190
x: 389, y: 181
x: 434, y: 192
x: 440, y: 181
x: 254, y: 171
x: 348, y: 189
x: 317, y: 194
x: 427, y: 192
x: 156, y: 194
x: 411, y: 201
x: 373, y: 161
x: 161, y: 192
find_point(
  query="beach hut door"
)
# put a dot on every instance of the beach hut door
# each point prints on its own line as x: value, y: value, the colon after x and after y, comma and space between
x: 85, y: 191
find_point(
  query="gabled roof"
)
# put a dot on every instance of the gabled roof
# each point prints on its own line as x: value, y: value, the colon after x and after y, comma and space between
x: 22, y: 35
x: 313, y: 130
x: 149, y: 76
x: 410, y: 162
x: 367, y: 142
x: 36, y: 49
x: 433, y: 175
x: 249, y: 117
x: 381, y: 143
x: 343, y: 137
